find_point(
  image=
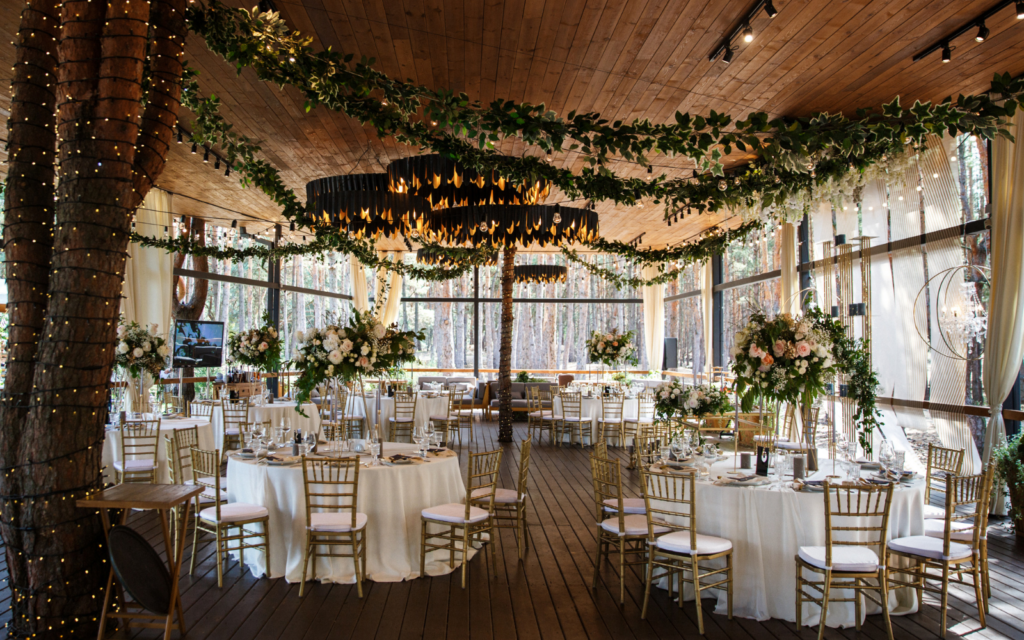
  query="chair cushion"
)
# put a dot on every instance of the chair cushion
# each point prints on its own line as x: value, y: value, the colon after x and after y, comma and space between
x: 844, y: 559
x: 779, y: 439
x: 790, y: 446
x: 573, y: 419
x: 636, y: 525
x: 207, y: 496
x: 441, y: 418
x: 679, y: 542
x: 351, y: 417
x: 501, y: 496
x: 234, y: 512
x: 135, y: 465
x: 231, y: 432
x: 610, y: 420
x: 402, y: 420
x: 629, y: 505
x: 928, y: 547
x: 335, y: 521
x: 223, y: 482
x: 962, y: 531
x: 934, y: 513
x: 456, y: 513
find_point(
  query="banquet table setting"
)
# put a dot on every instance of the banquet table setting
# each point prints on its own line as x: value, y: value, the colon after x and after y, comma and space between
x: 427, y: 404
x: 281, y: 412
x: 591, y: 408
x: 112, y: 444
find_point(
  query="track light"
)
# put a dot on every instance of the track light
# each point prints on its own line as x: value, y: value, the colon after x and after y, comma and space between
x: 194, y: 148
x: 179, y: 136
x: 1020, y: 9
x: 216, y: 162
x: 650, y: 169
x: 206, y: 155
x: 291, y: 227
x: 727, y: 56
x: 234, y: 224
x: 982, y: 32
x: 748, y: 34
x: 947, y: 53
x: 227, y: 172
x: 769, y: 8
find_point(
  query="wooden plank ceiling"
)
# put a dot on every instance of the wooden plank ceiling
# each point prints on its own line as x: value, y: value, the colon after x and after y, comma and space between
x: 623, y: 58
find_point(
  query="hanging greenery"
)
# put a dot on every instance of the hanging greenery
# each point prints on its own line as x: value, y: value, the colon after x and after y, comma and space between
x: 791, y: 155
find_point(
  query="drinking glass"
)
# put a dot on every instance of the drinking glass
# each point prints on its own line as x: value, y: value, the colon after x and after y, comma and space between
x: 677, y: 448
x: 666, y: 452
x: 886, y: 453
x: 311, y: 441
x: 419, y: 436
x: 374, y: 453
x: 435, y: 438
x: 899, y: 460
x: 781, y: 465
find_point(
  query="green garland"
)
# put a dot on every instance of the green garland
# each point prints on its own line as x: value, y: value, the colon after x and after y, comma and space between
x: 792, y: 155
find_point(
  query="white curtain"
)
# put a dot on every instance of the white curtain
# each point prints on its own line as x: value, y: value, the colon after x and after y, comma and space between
x: 360, y: 297
x: 707, y: 282
x: 790, y: 282
x: 389, y: 298
x: 149, y: 274
x: 654, y: 318
x: 1004, y: 344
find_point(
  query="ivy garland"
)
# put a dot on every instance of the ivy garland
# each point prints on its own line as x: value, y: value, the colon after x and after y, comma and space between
x: 793, y: 155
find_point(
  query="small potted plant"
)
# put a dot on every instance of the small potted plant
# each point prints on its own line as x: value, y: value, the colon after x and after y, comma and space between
x: 1009, y: 461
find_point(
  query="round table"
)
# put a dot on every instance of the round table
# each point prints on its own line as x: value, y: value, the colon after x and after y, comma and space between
x: 592, y: 407
x: 392, y: 497
x: 275, y: 413
x: 112, y: 445
x: 767, y: 527
x: 426, y: 406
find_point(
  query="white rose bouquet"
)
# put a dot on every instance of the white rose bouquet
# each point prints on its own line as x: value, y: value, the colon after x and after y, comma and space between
x: 612, y: 348
x: 140, y: 350
x: 259, y: 348
x: 699, y: 400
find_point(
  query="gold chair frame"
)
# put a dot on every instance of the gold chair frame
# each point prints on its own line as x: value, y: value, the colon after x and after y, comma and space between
x: 514, y: 514
x: 572, y: 419
x: 536, y: 420
x: 139, y: 441
x: 607, y: 479
x: 235, y: 414
x: 610, y: 422
x: 332, y: 485
x: 402, y: 423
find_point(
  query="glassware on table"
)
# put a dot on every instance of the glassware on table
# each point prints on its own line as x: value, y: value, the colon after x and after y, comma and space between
x: 898, y: 462
x: 886, y: 454
x: 420, y: 437
x: 374, y: 446
x: 311, y: 441
x: 435, y: 438
x: 782, y: 463
x: 666, y: 453
x: 677, y: 448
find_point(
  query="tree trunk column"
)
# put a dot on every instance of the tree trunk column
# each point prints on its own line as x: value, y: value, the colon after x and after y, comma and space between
x: 505, y: 365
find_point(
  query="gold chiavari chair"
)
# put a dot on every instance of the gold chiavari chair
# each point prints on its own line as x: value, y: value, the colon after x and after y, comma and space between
x: 539, y: 418
x: 631, y: 427
x: 510, y: 504
x: 804, y: 442
x: 138, y: 445
x: 941, y: 461
x: 746, y: 422
x: 447, y: 422
x: 571, y: 420
x: 646, y: 449
x: 950, y: 546
x: 854, y: 555
x: 715, y: 425
x: 601, y: 449
x: 222, y: 517
x: 772, y: 429
x: 332, y: 519
x: 401, y: 424
x: 353, y: 423
x: 460, y: 416
x: 201, y: 409
x: 609, y: 423
x: 617, y: 528
x: 674, y: 545
x: 235, y: 413
x: 464, y: 523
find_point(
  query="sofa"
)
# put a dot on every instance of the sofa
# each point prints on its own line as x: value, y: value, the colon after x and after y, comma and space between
x: 519, y: 400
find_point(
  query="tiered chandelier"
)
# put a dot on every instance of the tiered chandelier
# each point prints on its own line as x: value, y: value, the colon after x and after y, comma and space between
x: 539, y: 273
x: 361, y: 205
x: 433, y: 257
x: 507, y: 225
x: 445, y: 184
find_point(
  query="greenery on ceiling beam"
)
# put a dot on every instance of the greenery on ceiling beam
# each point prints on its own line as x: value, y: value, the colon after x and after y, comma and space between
x: 793, y: 156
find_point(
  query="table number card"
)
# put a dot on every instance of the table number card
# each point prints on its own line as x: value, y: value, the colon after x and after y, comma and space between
x: 762, y: 461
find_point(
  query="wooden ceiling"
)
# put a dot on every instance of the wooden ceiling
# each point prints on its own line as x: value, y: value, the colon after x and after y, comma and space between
x: 623, y: 58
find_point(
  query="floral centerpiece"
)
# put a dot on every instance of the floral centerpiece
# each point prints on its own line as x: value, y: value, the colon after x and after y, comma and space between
x: 698, y: 400
x: 139, y: 350
x: 792, y: 359
x: 363, y: 348
x: 612, y: 348
x: 259, y: 348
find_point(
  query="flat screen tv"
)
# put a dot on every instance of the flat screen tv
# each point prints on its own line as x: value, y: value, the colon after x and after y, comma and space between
x: 198, y: 343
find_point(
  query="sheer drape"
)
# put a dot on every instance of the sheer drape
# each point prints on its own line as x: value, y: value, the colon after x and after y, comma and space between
x: 148, y: 275
x: 1004, y: 344
x: 790, y: 283
x: 360, y: 297
x: 389, y: 297
x: 654, y: 319
x: 707, y: 283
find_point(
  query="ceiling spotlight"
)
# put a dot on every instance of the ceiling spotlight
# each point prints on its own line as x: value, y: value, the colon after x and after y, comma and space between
x: 194, y: 148
x: 982, y: 32
x: 216, y: 162
x: 1020, y: 9
x: 291, y: 227
x: 206, y: 155
x: 748, y: 34
x: 769, y: 8
x: 179, y: 136
x: 947, y: 53
x: 727, y: 56
x: 234, y: 224
x: 650, y: 169
x: 227, y: 171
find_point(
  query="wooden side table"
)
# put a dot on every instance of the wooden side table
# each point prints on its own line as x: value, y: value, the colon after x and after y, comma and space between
x: 162, y: 498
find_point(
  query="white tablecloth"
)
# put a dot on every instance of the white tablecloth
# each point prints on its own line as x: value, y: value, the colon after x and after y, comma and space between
x: 592, y: 407
x: 425, y: 407
x: 391, y: 497
x: 275, y: 413
x: 767, y: 527
x: 112, y: 445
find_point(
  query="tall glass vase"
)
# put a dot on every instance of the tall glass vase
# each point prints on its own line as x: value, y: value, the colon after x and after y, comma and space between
x: 807, y: 411
x: 138, y: 394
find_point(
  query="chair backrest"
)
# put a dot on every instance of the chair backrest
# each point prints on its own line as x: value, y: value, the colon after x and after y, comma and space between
x: 572, y: 404
x: 405, y: 405
x: 750, y: 422
x: 645, y: 407
x: 717, y: 423
x: 201, y: 409
x: 235, y: 412
x: 206, y: 473
x: 601, y: 448
x: 331, y: 485
x: 173, y: 460
x: 184, y: 440
x: 941, y: 461
x: 810, y: 429
x: 139, y: 439
x: 670, y: 502
x: 788, y: 427
x: 524, y: 465
x: 454, y: 401
x: 968, y: 491
x: 647, y: 446
x: 245, y: 429
x: 856, y: 515
x: 607, y: 477
x: 482, y: 473
x: 611, y: 407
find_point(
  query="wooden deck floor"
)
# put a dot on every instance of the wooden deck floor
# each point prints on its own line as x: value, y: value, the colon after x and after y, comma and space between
x: 547, y: 596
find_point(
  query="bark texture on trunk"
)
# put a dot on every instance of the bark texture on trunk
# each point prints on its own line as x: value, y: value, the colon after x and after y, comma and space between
x: 66, y: 252
x: 505, y: 367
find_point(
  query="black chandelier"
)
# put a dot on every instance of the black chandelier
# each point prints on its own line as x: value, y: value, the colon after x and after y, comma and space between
x: 507, y: 225
x: 446, y: 260
x: 361, y: 205
x: 445, y: 184
x: 539, y: 273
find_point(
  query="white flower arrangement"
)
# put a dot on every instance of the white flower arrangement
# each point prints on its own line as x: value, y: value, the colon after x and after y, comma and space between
x: 140, y: 350
x: 259, y: 348
x: 612, y: 348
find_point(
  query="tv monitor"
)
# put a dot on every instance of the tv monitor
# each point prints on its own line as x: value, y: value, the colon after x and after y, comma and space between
x: 198, y: 343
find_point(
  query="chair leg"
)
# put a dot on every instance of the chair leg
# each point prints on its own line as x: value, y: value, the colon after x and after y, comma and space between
x: 824, y: 604
x: 728, y: 576
x: 465, y: 553
x: 647, y: 585
x: 423, y: 548
x: 858, y: 597
x: 799, y: 599
x: 979, y: 593
x: 884, y: 583
x: 305, y: 565
x: 945, y: 599
x: 695, y: 570
x: 195, y: 542
x: 622, y: 570
x: 357, y: 550
x: 597, y: 560
x: 220, y: 560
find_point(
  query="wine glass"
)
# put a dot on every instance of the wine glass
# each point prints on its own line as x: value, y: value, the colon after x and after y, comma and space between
x: 311, y: 441
x: 677, y: 448
x: 419, y: 436
x: 666, y: 453
x: 781, y: 465
x: 886, y: 453
x: 435, y: 438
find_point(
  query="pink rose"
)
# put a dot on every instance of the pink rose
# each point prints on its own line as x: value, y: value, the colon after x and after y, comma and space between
x: 364, y: 362
x: 803, y: 349
x: 779, y: 348
x: 755, y: 351
x: 763, y: 368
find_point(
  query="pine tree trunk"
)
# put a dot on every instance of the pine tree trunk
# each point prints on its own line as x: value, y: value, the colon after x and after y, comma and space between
x: 505, y: 368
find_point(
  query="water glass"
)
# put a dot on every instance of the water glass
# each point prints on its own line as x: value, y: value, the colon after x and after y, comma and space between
x: 374, y: 453
x: 899, y: 460
x: 435, y: 438
x: 666, y: 453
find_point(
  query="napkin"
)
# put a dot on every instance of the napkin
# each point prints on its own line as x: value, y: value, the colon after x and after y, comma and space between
x: 742, y: 481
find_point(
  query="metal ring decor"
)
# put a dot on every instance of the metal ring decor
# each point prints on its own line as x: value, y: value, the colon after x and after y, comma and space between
x: 445, y: 184
x: 429, y: 256
x: 362, y: 206
x: 507, y: 225
x: 539, y: 273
